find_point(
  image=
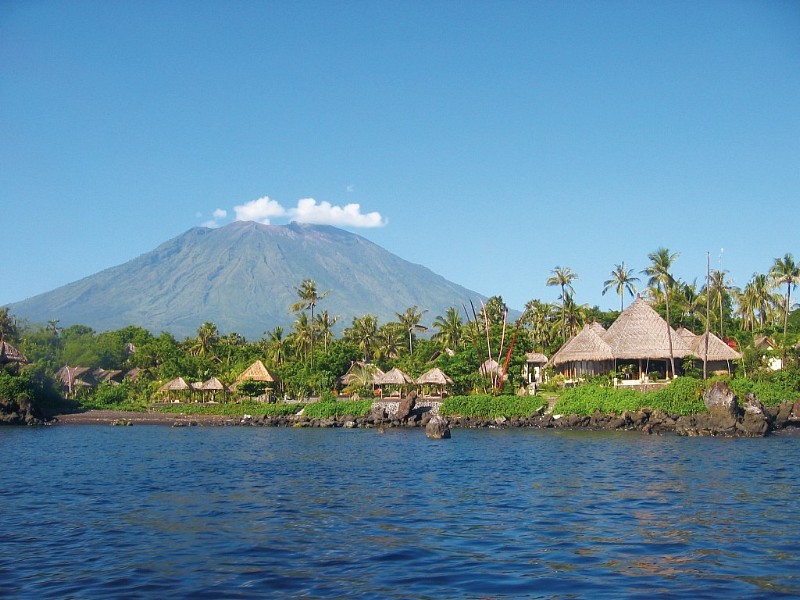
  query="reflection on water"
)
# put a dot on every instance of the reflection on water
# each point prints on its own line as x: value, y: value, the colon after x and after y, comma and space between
x: 243, y: 512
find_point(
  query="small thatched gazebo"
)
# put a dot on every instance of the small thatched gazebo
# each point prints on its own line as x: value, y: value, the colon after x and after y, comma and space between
x: 176, y: 386
x: 435, y: 378
x: 213, y: 387
x: 255, y: 372
x: 72, y: 378
x: 534, y: 366
x: 394, y: 378
x: 9, y: 354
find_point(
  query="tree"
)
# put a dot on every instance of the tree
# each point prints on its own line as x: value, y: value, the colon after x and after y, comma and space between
x: 307, y: 292
x: 496, y: 310
x: 324, y: 323
x: 277, y: 346
x: 720, y: 288
x: 410, y: 322
x: 690, y: 301
x: 563, y: 277
x: 621, y: 280
x: 8, y: 326
x: 207, y: 337
x: 390, y: 340
x: 661, y: 262
x: 363, y: 332
x: 786, y: 271
x: 303, y: 336
x: 449, y: 328
x: 572, y: 315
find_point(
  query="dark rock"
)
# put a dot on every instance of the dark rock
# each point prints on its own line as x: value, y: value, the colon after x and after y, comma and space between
x: 722, y: 406
x: 378, y: 414
x: 406, y: 406
x: 438, y: 428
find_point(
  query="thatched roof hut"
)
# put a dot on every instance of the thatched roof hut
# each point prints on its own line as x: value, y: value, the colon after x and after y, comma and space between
x: 435, y: 378
x: 358, y: 369
x: 213, y: 385
x: 394, y: 377
x: 640, y: 333
x: 255, y: 372
x: 9, y: 354
x: 717, y: 349
x: 587, y: 353
x: 536, y: 358
x: 176, y: 385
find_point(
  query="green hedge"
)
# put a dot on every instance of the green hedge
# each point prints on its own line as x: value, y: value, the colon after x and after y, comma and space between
x: 683, y: 396
x: 490, y: 407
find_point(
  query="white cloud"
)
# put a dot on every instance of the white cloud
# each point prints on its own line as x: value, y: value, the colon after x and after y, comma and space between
x: 324, y: 213
x: 261, y: 210
x: 217, y: 215
x: 220, y: 213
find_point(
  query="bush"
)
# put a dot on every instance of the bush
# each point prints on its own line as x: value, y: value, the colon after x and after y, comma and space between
x: 490, y: 407
x: 683, y: 396
x: 244, y: 408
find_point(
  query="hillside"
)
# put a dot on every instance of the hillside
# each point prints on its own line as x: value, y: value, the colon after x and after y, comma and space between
x: 243, y: 278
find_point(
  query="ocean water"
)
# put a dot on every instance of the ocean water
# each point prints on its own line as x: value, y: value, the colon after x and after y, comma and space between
x: 238, y: 512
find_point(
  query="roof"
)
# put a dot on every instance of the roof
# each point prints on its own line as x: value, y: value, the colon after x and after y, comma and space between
x: 68, y: 375
x: 434, y: 376
x: 394, y: 377
x: 717, y: 349
x: 9, y: 354
x: 587, y: 345
x: 212, y: 385
x: 256, y: 372
x: 640, y: 332
x: 177, y: 384
x: 536, y: 357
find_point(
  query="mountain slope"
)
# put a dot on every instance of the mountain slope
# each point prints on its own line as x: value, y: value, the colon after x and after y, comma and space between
x: 243, y: 278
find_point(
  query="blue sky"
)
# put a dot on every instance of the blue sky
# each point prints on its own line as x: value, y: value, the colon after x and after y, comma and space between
x: 488, y: 141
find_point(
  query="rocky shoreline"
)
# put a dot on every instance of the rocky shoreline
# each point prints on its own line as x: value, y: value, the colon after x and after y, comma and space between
x: 725, y: 417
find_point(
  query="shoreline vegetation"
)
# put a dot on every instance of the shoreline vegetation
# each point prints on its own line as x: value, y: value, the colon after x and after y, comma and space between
x: 561, y: 364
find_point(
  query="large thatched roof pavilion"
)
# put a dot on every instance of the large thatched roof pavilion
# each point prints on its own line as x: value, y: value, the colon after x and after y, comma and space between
x: 639, y: 337
x: 255, y: 372
x: 394, y: 378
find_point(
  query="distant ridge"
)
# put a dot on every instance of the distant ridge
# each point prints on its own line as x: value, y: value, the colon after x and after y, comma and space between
x: 243, y: 278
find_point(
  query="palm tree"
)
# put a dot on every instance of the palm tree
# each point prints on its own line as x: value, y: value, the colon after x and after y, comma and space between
x: 563, y: 277
x: 720, y: 289
x: 307, y: 292
x: 9, y: 329
x: 363, y: 332
x: 390, y: 340
x: 278, y: 346
x: 324, y: 324
x: 659, y: 272
x: 303, y: 334
x: 450, y: 328
x: 207, y: 337
x: 690, y: 302
x: 786, y: 271
x: 410, y: 322
x: 540, y: 318
x: 572, y: 315
x: 621, y: 281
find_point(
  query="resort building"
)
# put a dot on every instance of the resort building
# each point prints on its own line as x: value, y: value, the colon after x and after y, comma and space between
x: 638, y: 344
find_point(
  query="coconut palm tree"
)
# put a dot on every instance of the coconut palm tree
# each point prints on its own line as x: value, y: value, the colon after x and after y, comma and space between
x: 786, y: 271
x: 207, y: 337
x: 572, y: 315
x: 690, y: 301
x: 307, y: 292
x: 410, y: 322
x: 323, y: 323
x: 720, y: 288
x: 363, y: 332
x: 303, y: 334
x: 277, y: 346
x: 449, y: 328
x: 661, y: 262
x: 390, y: 340
x: 563, y: 278
x: 621, y: 281
x: 540, y: 318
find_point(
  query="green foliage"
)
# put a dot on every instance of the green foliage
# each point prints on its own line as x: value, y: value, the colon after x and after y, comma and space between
x: 771, y: 388
x: 490, y: 407
x: 252, y: 389
x: 683, y: 396
x: 108, y: 396
x: 323, y: 410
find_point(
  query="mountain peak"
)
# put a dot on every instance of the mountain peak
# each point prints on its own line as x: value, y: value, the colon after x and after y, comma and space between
x: 243, y: 276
